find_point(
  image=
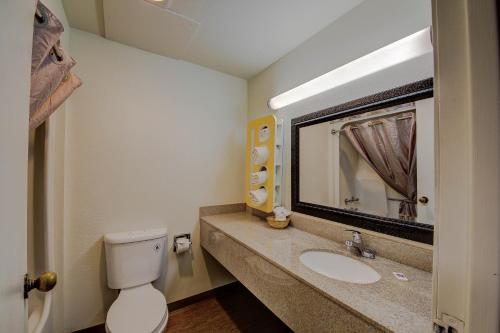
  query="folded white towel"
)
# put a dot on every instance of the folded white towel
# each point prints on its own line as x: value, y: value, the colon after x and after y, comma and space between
x: 281, y: 213
x: 260, y: 155
x: 259, y: 177
x: 258, y: 196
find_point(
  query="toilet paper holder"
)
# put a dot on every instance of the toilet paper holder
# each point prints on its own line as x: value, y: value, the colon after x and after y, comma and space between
x: 188, y: 236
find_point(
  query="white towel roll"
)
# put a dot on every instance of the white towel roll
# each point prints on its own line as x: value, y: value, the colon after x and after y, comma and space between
x: 259, y: 196
x: 264, y: 134
x: 259, y: 177
x: 260, y: 155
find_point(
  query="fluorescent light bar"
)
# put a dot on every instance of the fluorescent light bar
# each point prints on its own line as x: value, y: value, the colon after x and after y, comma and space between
x: 405, y: 49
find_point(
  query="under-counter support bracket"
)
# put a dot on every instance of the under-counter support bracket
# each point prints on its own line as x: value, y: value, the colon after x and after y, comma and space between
x: 448, y: 324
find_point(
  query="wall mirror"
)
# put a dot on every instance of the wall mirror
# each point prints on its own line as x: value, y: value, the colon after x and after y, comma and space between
x: 369, y: 162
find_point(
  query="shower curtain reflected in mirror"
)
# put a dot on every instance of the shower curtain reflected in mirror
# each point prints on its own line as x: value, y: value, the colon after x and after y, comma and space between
x: 388, y: 145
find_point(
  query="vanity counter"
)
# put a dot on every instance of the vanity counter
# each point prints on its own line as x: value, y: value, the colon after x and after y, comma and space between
x: 388, y: 305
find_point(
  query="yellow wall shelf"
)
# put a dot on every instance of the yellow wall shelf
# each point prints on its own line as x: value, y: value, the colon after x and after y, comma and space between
x: 263, y: 163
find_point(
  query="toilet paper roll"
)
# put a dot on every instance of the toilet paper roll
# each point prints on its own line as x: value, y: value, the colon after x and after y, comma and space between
x: 182, y: 245
x: 259, y: 196
x: 264, y: 134
x: 259, y: 177
x: 260, y: 155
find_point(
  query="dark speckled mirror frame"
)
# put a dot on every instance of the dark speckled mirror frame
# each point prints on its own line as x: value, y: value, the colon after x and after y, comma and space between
x: 400, y: 228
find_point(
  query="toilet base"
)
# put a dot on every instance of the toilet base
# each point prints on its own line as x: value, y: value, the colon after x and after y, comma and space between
x: 160, y: 329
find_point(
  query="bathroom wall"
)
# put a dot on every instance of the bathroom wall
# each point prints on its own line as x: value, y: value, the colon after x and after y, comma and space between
x: 367, y: 27
x: 149, y: 140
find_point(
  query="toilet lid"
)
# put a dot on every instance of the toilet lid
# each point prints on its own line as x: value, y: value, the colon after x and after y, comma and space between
x: 137, y: 310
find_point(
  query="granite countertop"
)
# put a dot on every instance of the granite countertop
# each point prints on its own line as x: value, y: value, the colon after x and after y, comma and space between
x: 394, y: 305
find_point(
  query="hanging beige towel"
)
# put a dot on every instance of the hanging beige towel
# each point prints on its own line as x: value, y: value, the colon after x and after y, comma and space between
x: 49, y: 76
x: 46, y: 32
x: 66, y: 88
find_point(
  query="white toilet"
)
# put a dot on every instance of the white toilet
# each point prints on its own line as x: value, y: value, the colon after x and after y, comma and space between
x: 134, y: 260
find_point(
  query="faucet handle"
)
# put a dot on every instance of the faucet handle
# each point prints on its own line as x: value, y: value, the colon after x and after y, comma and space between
x: 356, y: 235
x: 368, y: 253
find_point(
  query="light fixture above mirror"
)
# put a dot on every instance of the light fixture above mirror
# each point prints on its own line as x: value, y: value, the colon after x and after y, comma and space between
x: 407, y: 48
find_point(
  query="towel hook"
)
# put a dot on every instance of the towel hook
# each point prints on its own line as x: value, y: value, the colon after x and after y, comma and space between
x: 40, y: 16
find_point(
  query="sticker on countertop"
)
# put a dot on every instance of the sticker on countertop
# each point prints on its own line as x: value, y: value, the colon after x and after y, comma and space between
x: 400, y: 276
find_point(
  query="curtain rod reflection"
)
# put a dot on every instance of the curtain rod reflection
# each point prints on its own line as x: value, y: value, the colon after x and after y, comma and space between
x: 373, y: 123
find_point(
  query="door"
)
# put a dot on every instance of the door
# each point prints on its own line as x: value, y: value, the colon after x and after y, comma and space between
x: 16, y: 30
x: 425, y: 160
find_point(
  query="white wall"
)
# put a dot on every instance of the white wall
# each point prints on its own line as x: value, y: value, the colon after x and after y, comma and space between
x: 367, y: 27
x: 148, y: 141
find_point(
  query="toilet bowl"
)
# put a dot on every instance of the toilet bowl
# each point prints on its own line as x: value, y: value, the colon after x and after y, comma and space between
x: 138, y: 309
x: 133, y: 260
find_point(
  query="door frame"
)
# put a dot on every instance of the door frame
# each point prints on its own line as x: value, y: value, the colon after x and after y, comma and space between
x: 466, y: 243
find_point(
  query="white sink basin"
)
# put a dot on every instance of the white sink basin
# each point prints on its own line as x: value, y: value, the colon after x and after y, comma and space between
x: 339, y: 267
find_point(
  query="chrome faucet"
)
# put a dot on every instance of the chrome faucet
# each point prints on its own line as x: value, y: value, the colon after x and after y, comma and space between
x: 357, y: 247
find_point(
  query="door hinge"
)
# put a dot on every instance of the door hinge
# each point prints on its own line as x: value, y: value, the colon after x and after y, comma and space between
x: 448, y: 324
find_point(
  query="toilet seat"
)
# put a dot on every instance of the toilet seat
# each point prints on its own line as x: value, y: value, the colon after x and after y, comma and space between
x: 141, y: 309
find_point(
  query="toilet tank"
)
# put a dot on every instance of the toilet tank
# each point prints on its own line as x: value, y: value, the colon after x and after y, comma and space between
x: 134, y: 258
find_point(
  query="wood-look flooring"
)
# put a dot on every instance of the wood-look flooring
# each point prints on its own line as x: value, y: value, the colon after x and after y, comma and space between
x: 228, y: 309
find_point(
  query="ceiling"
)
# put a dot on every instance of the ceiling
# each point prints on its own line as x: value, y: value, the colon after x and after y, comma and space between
x: 238, y: 37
